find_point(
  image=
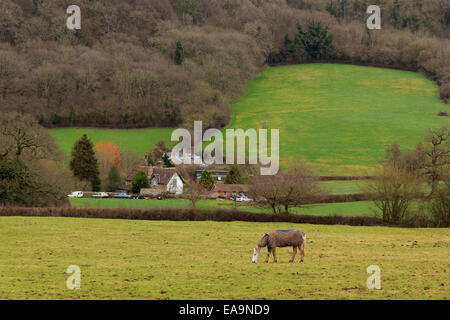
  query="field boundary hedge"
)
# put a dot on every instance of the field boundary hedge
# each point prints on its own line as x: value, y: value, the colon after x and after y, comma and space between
x: 342, y: 198
x: 343, y: 178
x: 186, y: 215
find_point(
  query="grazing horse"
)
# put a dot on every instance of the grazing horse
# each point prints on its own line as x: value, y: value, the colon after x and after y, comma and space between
x: 281, y: 238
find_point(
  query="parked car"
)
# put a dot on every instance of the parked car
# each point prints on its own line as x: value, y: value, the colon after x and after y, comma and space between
x: 243, y: 198
x: 122, y: 195
x: 100, y: 195
x: 76, y: 194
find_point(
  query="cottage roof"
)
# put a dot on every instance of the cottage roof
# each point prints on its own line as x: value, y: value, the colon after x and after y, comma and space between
x: 163, y: 175
x: 147, y: 169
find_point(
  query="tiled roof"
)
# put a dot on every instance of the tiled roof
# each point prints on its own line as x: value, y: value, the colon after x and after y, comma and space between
x: 163, y: 175
x: 146, y: 169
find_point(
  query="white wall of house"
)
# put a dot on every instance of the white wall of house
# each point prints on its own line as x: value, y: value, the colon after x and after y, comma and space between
x: 175, y: 185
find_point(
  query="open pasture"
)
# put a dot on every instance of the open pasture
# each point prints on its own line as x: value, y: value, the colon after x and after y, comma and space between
x: 340, y: 118
x: 126, y: 259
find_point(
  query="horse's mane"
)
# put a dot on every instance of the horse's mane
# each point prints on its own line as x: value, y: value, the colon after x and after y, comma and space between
x: 264, y: 240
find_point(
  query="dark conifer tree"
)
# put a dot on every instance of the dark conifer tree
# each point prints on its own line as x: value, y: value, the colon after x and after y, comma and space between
x: 84, y: 164
x: 179, y: 54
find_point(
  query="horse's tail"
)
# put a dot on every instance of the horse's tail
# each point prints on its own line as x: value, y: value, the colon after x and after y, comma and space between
x: 302, y: 246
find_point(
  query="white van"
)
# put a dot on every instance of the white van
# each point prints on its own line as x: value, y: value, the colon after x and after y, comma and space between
x: 76, y: 194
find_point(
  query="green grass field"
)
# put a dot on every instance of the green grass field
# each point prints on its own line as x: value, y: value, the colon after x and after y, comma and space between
x: 343, y: 209
x: 343, y: 187
x: 340, y: 118
x: 125, y: 259
x: 136, y: 140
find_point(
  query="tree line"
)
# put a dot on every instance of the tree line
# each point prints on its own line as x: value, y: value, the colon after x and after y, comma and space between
x: 163, y: 63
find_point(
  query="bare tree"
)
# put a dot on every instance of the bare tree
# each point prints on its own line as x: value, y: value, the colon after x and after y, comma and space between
x: 437, y: 157
x: 129, y: 160
x: 283, y: 190
x: 10, y: 72
x: 266, y: 191
x: 21, y: 135
x: 394, y: 190
x: 194, y: 190
x: 430, y: 161
x: 299, y: 188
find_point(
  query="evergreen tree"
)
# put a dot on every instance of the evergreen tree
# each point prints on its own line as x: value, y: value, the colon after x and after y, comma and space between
x: 287, y: 41
x: 114, y: 180
x: 288, y: 50
x: 167, y: 162
x: 179, y: 53
x: 234, y: 175
x: 140, y: 180
x: 315, y: 40
x: 395, y: 14
x: 84, y: 164
x: 207, y: 180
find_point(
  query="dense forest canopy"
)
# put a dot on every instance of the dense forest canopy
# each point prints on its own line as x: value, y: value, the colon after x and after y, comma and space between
x: 143, y: 63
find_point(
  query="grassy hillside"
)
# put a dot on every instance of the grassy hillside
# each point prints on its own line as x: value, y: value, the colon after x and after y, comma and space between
x: 340, y: 118
x: 123, y: 259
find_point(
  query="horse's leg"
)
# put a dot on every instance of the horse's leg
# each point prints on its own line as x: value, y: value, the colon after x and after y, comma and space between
x: 293, y: 254
x: 302, y: 251
x: 269, y: 251
x: 274, y: 254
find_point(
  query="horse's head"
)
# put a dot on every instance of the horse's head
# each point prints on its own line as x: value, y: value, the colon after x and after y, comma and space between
x: 256, y: 252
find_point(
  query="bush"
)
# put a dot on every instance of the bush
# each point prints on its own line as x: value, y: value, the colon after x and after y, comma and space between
x: 140, y: 181
x: 439, y: 206
x: 444, y: 91
x: 393, y: 192
x: 207, y: 180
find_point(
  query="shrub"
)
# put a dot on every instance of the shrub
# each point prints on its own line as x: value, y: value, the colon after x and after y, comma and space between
x: 439, y: 207
x: 207, y: 180
x: 179, y: 54
x: 140, y: 181
x: 393, y: 191
x: 234, y: 175
x: 444, y: 91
